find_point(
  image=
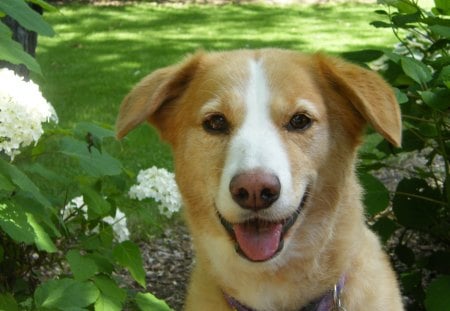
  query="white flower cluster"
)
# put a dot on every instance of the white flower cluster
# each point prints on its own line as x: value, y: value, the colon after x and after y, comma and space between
x: 23, y: 109
x: 158, y: 184
x: 118, y: 223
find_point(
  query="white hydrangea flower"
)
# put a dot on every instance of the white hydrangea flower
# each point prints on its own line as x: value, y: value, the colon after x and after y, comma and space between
x: 23, y: 109
x: 118, y: 222
x: 119, y: 225
x: 158, y: 184
x: 72, y: 207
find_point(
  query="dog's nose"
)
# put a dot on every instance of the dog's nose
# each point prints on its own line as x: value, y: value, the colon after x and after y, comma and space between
x: 255, y: 190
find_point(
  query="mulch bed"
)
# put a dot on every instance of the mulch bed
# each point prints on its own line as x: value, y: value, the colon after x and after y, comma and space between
x: 168, y: 262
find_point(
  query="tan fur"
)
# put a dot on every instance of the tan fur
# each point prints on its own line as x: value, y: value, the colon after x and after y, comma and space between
x: 330, y: 237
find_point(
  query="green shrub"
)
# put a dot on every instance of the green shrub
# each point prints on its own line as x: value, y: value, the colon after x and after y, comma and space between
x: 55, y: 252
x: 417, y: 223
x: 63, y: 238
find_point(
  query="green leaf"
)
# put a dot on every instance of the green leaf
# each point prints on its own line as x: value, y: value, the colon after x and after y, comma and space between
x: 439, y: 261
x: 98, y: 206
x: 39, y: 169
x: 363, y: 56
x: 148, y: 302
x: 441, y: 30
x: 393, y: 57
x: 93, y: 134
x: 403, y: 6
x: 405, y: 255
x: 381, y: 12
x: 90, y: 159
x: 410, y: 141
x: 427, y: 129
x: 26, y: 16
x: 438, y: 99
x: 106, y: 303
x: 444, y: 75
x: 14, y: 221
x: 44, y: 5
x: 438, y: 46
x: 8, y: 303
x: 376, y: 196
x: 128, y: 255
x: 106, y: 236
x: 401, y: 97
x: 371, y: 141
x: 112, y: 297
x: 82, y: 266
x: 23, y: 227
x: 41, y: 238
x: 5, y: 31
x: 97, y: 131
x: 415, y: 204
x: 385, y: 227
x: 103, y: 239
x: 380, y: 24
x: 13, y: 52
x: 65, y: 294
x: 5, y: 184
x: 437, y: 294
x: 43, y: 215
x: 401, y: 20
x: 431, y: 19
x: 416, y: 70
x: 410, y: 281
x: 104, y: 263
x: 23, y: 182
x: 443, y: 6
x: 91, y: 242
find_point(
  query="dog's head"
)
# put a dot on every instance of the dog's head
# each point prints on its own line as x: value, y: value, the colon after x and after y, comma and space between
x: 256, y: 136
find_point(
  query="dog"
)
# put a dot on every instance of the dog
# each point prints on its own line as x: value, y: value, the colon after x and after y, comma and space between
x: 264, y: 144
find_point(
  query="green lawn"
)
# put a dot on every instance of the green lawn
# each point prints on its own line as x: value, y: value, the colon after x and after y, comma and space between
x: 99, y: 53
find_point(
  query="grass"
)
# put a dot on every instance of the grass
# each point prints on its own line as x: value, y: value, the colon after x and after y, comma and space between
x: 99, y: 53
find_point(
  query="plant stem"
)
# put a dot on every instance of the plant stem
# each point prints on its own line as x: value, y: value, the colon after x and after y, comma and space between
x: 421, y: 197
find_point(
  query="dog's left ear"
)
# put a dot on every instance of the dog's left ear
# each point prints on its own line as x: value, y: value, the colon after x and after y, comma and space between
x: 372, y: 97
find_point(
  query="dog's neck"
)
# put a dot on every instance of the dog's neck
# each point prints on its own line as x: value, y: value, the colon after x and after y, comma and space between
x: 330, y: 301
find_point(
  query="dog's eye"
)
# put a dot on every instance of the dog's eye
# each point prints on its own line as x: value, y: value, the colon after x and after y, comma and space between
x: 216, y: 124
x: 299, y: 122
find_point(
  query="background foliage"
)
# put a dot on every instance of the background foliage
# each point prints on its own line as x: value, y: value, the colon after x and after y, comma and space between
x: 51, y: 260
x: 53, y: 257
x: 417, y: 222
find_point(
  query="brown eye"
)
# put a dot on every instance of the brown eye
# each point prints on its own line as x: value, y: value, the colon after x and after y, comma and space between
x: 299, y: 122
x: 216, y: 124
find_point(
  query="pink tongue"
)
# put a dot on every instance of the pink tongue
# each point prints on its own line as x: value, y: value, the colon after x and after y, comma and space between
x: 259, y: 242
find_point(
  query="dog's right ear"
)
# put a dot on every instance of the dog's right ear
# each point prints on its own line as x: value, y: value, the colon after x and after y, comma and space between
x: 153, y: 93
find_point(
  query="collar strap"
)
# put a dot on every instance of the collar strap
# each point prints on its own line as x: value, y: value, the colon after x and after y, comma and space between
x: 331, y: 301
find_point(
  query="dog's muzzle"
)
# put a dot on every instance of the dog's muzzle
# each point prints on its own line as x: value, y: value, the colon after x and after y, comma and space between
x: 258, y: 239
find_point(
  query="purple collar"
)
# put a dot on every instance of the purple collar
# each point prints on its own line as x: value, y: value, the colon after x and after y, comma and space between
x: 331, y: 301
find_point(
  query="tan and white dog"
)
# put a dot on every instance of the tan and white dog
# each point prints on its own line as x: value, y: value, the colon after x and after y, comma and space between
x: 264, y: 143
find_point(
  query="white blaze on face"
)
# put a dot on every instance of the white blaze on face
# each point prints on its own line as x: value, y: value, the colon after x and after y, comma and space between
x: 256, y: 145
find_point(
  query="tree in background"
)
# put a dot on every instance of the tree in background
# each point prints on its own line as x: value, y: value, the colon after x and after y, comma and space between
x: 27, y: 38
x: 21, y: 24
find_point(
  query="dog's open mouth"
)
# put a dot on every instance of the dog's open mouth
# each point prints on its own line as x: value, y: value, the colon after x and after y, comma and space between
x: 260, y: 240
